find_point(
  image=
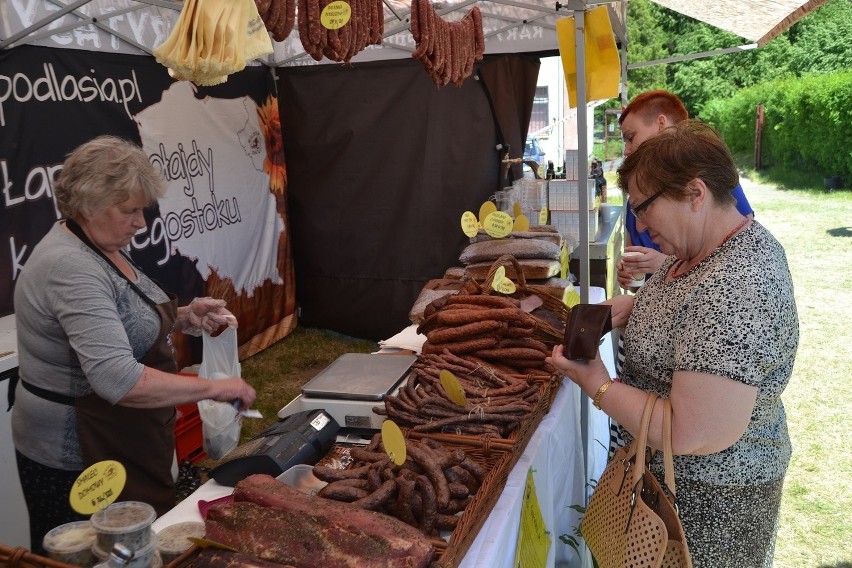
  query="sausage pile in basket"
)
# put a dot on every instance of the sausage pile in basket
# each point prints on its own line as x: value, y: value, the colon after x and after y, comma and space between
x: 427, y: 491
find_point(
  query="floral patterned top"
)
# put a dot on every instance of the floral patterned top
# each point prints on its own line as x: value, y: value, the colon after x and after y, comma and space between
x: 732, y: 315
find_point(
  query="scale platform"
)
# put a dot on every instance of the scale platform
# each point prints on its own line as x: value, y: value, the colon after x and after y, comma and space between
x: 351, y: 386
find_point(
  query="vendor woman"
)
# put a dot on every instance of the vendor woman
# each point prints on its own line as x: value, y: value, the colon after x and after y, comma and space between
x: 97, y: 366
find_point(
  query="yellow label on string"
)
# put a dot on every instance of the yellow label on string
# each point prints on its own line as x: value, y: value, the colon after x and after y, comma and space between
x: 469, y: 224
x: 454, y: 390
x: 335, y: 15
x: 97, y: 487
x: 501, y: 283
x: 394, y: 442
x: 542, y: 216
x: 570, y: 297
x: 563, y: 262
x: 498, y: 224
x: 522, y: 223
x: 534, y: 539
x: 485, y: 210
x: 516, y: 209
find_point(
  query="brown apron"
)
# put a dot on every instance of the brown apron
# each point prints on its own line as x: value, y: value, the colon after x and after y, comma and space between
x: 141, y: 439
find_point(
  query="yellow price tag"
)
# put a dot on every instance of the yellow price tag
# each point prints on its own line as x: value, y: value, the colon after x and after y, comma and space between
x: 485, y: 210
x: 335, y: 15
x: 394, y: 442
x: 516, y: 209
x: 570, y: 297
x: 501, y: 283
x: 97, y: 487
x: 498, y: 224
x: 534, y: 539
x: 564, y: 258
x: 522, y: 223
x: 469, y: 224
x: 542, y: 216
x: 454, y: 390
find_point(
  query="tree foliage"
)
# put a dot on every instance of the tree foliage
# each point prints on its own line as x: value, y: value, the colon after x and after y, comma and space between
x: 819, y: 43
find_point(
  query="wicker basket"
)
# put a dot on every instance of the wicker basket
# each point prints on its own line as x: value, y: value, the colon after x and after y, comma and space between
x: 483, y: 502
x: 20, y: 557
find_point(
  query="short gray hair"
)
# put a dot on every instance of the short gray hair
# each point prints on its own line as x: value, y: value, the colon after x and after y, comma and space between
x: 103, y: 172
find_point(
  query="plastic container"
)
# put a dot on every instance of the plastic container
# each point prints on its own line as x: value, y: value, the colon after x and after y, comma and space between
x: 638, y: 279
x: 71, y: 543
x: 302, y: 477
x: 146, y: 557
x: 127, y: 522
x: 172, y: 540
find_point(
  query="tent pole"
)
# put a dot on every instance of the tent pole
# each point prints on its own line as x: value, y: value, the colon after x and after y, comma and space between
x: 40, y: 24
x: 582, y: 152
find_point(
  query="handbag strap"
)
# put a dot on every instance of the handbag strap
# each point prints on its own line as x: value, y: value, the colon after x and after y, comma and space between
x: 668, y: 455
x: 642, y: 440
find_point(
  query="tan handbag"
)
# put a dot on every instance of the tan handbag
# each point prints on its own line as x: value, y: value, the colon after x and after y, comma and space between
x: 631, y: 520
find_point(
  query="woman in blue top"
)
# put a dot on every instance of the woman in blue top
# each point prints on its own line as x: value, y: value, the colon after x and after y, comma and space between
x: 645, y: 116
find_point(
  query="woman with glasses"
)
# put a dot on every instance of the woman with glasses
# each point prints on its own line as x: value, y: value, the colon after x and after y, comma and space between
x: 715, y: 331
x: 645, y: 116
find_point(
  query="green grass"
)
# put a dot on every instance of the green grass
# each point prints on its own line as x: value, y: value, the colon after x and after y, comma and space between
x: 815, y: 229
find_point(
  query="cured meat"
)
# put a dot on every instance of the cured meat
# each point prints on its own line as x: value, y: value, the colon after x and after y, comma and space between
x: 275, y: 522
x: 218, y: 558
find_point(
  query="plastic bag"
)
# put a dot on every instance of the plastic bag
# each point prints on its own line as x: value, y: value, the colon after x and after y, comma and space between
x: 221, y: 421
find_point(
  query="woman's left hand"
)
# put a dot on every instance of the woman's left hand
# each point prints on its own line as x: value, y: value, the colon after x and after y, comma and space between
x: 205, y: 314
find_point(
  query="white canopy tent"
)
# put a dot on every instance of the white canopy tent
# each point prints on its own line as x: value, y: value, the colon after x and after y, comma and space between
x: 510, y: 26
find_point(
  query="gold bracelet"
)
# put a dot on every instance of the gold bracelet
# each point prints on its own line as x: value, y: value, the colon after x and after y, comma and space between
x: 597, y: 399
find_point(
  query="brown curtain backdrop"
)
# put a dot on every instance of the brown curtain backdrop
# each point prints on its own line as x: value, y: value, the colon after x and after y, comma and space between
x: 381, y: 165
x: 510, y: 83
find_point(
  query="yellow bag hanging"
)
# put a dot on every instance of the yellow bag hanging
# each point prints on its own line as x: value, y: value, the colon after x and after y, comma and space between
x: 212, y: 39
x: 603, y: 68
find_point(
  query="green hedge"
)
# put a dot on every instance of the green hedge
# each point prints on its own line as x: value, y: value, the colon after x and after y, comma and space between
x: 808, y: 123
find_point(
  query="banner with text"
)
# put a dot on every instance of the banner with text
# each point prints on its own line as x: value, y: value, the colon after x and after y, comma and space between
x: 219, y: 231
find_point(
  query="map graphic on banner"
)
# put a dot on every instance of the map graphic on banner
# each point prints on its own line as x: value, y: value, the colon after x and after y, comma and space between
x: 218, y: 207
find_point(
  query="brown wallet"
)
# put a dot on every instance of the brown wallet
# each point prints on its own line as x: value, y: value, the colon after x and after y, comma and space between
x: 587, y: 324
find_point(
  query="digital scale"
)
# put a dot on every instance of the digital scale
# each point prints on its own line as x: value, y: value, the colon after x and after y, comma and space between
x: 351, y: 386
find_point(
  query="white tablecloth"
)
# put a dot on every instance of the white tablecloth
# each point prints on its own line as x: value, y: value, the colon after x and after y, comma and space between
x: 556, y: 454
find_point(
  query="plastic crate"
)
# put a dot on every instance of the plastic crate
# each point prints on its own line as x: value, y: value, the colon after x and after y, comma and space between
x: 568, y: 224
x: 189, y: 440
x: 572, y: 164
x: 564, y: 195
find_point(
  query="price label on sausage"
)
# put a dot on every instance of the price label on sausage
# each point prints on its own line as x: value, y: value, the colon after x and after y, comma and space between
x: 335, y: 15
x: 501, y: 283
x: 498, y: 224
x: 97, y: 487
x: 393, y: 442
x: 521, y: 223
x: 469, y: 224
x: 516, y: 209
x: 454, y: 390
x: 542, y: 216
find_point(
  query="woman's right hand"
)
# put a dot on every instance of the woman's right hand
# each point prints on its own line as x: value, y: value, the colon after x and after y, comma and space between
x: 233, y: 389
x: 645, y: 263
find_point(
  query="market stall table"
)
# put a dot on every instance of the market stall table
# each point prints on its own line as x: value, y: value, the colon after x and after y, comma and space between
x: 563, y: 455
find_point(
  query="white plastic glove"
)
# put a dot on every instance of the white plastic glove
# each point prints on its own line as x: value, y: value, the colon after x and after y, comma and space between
x: 205, y: 314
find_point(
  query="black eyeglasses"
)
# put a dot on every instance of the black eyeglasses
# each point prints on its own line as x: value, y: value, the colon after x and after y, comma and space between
x: 637, y: 211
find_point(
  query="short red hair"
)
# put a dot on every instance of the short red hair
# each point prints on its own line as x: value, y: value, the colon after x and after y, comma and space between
x: 651, y: 104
